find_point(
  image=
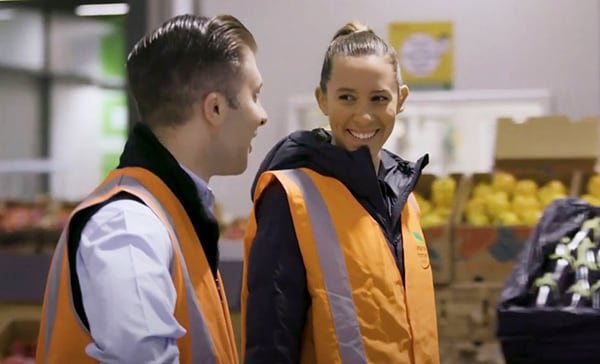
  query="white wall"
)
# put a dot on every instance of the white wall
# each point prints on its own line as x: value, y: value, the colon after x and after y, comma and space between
x: 21, y: 39
x: 499, y: 44
x: 74, y: 140
x: 77, y: 140
x: 19, y: 133
x: 75, y: 43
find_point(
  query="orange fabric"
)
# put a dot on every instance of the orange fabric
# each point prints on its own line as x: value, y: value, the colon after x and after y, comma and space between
x: 397, y: 321
x: 69, y: 337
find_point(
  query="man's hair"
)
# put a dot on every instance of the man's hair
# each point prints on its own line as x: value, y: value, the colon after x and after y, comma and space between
x: 356, y: 40
x: 182, y: 61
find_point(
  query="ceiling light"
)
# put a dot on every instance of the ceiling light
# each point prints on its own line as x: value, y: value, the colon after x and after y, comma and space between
x: 102, y: 9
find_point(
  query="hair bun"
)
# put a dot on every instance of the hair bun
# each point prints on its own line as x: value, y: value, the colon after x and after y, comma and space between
x: 350, y: 28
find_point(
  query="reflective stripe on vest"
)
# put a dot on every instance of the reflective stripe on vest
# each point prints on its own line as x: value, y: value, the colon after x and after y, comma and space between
x: 339, y: 292
x: 413, y: 203
x: 201, y: 341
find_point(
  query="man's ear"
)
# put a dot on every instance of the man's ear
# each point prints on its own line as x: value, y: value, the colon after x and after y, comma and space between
x: 213, y: 108
x: 321, y: 100
x: 402, y: 95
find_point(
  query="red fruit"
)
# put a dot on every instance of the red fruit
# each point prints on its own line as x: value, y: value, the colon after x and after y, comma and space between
x: 15, y: 359
x: 17, y: 348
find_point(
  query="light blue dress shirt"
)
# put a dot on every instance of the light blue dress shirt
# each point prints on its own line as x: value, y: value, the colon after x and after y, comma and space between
x: 129, y: 298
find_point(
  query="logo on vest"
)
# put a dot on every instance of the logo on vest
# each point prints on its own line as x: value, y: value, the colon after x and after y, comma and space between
x: 418, y: 237
x: 422, y: 252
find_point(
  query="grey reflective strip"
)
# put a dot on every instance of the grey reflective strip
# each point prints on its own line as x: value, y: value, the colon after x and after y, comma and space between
x: 334, y: 271
x: 52, y: 292
x: 413, y: 203
x: 201, y: 344
x: 54, y: 277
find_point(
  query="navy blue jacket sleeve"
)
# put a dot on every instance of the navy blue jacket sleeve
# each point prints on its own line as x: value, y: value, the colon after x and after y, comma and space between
x: 278, y: 299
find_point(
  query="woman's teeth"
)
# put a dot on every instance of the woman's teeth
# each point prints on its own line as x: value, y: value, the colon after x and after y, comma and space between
x: 362, y: 136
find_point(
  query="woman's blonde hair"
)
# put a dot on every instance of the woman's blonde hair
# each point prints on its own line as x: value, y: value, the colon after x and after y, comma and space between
x: 351, y: 27
x: 355, y: 39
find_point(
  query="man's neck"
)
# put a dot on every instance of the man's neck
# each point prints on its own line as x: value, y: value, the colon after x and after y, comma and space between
x: 187, y: 152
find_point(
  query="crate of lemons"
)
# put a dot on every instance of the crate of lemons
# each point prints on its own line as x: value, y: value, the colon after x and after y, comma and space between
x: 436, y: 210
x: 507, y: 201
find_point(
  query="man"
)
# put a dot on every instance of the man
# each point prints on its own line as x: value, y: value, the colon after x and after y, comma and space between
x: 134, y: 278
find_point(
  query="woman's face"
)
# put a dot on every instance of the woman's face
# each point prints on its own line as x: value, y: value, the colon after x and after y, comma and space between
x: 362, y: 101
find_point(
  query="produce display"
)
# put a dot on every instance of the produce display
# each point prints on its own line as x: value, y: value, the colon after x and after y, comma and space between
x: 436, y: 210
x: 508, y: 201
x: 41, y: 222
x: 571, y: 273
x: 42, y: 214
x: 20, y: 352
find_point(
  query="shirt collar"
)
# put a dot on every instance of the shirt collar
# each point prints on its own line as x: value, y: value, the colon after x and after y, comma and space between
x: 204, y: 192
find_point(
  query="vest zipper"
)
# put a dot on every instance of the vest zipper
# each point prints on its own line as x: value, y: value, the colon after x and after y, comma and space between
x: 395, y: 244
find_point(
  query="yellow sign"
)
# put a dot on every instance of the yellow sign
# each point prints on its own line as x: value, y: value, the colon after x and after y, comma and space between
x: 426, y: 53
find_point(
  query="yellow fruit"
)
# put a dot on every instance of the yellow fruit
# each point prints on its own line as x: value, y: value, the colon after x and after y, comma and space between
x: 592, y: 200
x: 442, y: 191
x: 546, y: 197
x: 418, y: 197
x: 531, y: 217
x: 502, y: 181
x: 522, y: 203
x: 482, y: 189
x: 526, y: 187
x: 507, y: 218
x: 497, y: 203
x: 443, y: 212
x: 475, y: 205
x: 593, y: 186
x: 556, y: 186
x: 424, y: 205
x: 432, y: 219
x: 477, y: 219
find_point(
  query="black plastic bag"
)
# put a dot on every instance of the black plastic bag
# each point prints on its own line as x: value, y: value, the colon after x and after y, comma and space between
x: 532, y: 335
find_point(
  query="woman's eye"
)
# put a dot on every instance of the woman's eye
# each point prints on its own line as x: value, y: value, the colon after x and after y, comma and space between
x: 379, y: 98
x: 346, y: 97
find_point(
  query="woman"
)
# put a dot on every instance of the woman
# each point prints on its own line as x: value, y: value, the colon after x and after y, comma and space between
x: 337, y: 268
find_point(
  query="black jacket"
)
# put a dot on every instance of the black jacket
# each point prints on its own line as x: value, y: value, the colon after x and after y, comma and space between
x: 278, y: 299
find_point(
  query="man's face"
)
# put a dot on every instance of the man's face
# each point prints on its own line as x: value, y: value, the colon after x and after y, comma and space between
x: 241, y: 123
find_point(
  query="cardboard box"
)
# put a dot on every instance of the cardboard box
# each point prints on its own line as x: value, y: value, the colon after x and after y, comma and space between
x: 488, y: 252
x: 541, y: 149
x: 438, y: 238
x: 466, y: 312
x: 24, y: 330
x: 547, y: 146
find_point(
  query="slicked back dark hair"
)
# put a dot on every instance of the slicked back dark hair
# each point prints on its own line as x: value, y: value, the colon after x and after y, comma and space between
x: 182, y: 61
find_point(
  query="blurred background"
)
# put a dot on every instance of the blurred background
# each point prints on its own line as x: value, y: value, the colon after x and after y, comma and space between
x: 505, y: 99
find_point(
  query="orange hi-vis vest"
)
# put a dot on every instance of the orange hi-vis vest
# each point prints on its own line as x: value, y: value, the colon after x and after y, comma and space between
x: 361, y: 311
x: 201, y: 307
